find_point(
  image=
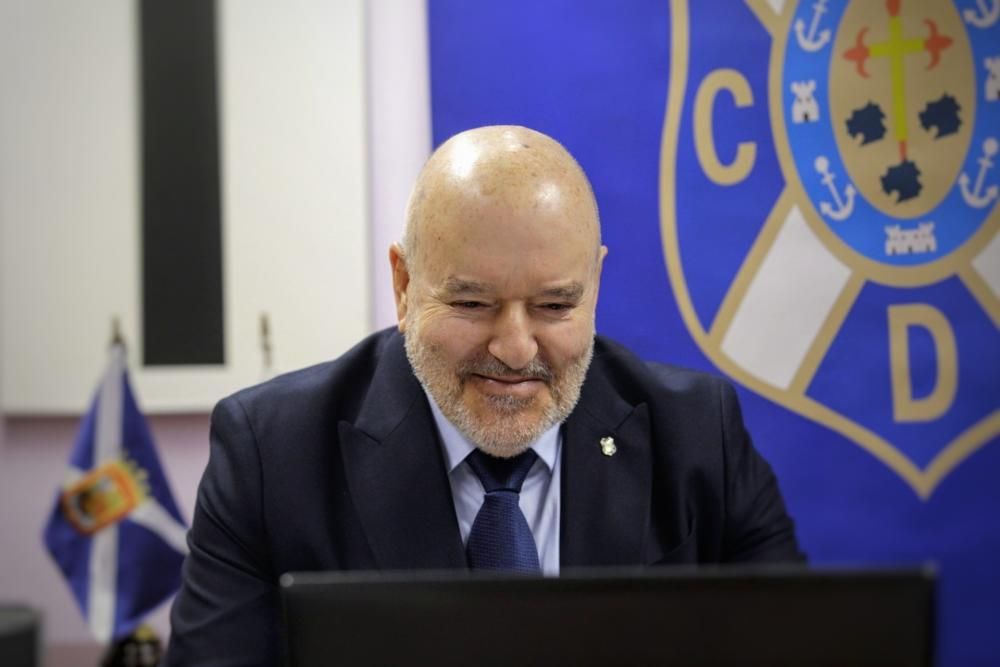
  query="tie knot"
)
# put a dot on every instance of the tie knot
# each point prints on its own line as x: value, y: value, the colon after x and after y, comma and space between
x: 498, y: 474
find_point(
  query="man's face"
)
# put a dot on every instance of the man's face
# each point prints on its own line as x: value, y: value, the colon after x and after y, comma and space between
x: 498, y: 312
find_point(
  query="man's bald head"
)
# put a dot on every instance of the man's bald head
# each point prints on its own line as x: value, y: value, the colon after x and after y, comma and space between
x: 497, y: 165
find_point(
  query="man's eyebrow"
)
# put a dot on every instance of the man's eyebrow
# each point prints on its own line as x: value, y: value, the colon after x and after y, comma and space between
x: 455, y: 285
x: 570, y: 292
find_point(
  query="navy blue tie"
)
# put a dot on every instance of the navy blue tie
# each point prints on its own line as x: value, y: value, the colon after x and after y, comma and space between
x: 500, y: 538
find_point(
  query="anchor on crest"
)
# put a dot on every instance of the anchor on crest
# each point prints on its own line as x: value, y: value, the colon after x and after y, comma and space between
x: 986, y: 16
x: 812, y: 41
x: 845, y: 205
x: 976, y: 197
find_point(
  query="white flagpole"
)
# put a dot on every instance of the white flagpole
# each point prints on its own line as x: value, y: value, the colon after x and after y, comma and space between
x: 104, y: 543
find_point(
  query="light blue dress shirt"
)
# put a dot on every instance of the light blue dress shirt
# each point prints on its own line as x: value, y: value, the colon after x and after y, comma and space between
x: 540, y: 495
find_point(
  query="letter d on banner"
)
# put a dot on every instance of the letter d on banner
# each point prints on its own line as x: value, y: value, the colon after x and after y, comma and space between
x: 905, y: 407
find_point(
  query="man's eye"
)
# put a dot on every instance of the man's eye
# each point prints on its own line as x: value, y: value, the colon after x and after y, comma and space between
x: 469, y: 305
x: 556, y: 307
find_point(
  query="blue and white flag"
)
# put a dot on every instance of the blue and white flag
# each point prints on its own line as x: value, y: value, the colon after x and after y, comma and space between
x: 802, y: 195
x: 115, y: 531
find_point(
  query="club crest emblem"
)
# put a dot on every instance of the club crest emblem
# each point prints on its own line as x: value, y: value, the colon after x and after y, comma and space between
x: 830, y: 182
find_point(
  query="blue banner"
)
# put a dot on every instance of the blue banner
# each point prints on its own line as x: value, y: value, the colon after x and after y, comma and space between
x: 801, y: 196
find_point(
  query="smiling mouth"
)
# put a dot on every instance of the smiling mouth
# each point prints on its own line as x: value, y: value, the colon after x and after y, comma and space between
x: 507, y: 385
x: 509, y: 379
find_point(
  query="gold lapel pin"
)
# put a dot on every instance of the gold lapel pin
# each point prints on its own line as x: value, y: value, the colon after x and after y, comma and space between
x: 608, y: 447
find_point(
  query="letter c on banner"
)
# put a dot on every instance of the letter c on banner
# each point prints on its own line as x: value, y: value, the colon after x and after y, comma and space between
x: 704, y: 141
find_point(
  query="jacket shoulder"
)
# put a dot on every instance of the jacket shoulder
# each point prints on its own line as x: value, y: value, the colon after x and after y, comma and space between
x: 639, y: 380
x: 332, y: 389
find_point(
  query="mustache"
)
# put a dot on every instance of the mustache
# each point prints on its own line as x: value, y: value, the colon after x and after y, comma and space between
x: 491, y: 366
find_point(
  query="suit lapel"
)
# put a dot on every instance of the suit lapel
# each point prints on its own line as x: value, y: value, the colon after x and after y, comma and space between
x: 605, y: 499
x: 396, y: 472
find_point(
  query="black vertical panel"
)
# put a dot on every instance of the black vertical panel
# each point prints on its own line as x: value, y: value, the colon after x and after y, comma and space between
x: 181, y: 228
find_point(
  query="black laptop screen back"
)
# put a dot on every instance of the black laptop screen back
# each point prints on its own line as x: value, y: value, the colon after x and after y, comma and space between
x: 652, y: 617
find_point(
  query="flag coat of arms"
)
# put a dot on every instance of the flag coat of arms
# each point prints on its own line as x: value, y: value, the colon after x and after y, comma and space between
x: 115, y: 532
x: 802, y: 195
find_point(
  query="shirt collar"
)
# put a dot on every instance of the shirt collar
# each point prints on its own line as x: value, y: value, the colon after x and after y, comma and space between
x: 457, y: 446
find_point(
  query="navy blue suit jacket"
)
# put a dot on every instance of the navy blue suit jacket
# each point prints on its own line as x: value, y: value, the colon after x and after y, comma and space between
x: 339, y: 467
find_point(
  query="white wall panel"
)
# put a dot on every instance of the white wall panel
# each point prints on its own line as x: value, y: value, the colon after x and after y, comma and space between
x: 399, y: 129
x: 294, y: 196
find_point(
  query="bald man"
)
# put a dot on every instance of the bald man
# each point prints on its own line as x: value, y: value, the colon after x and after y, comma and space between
x: 382, y: 459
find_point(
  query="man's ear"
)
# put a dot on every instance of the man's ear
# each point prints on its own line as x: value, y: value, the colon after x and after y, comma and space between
x: 601, y: 254
x: 400, y: 282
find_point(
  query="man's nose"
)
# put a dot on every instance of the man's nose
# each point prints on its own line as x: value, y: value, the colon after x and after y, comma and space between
x: 513, y: 340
